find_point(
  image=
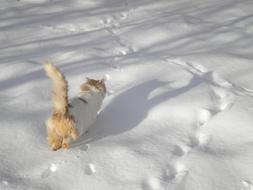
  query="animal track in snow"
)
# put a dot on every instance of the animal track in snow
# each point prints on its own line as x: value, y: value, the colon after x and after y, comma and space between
x: 85, y: 147
x: 181, y: 150
x: 51, y: 169
x: 90, y: 169
x: 204, y: 115
x: 106, y: 20
x: 200, y: 139
x: 218, y: 92
x: 123, y: 16
x: 222, y: 98
x: 111, y: 22
x: 123, y: 51
x: 213, y: 77
x: 5, y: 182
x: 151, y: 184
x: 176, y: 172
x: 222, y: 105
x: 246, y: 185
x: 221, y: 93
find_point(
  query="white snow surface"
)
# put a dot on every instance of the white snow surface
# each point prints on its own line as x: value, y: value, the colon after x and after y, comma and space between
x: 179, y: 109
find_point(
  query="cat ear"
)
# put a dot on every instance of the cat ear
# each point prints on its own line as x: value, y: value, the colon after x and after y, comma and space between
x: 88, y: 79
x: 102, y: 80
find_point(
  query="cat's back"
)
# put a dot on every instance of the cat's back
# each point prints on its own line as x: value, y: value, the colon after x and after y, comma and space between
x: 83, y: 113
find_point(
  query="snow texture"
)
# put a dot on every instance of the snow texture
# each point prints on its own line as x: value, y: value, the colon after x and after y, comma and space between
x: 179, y: 106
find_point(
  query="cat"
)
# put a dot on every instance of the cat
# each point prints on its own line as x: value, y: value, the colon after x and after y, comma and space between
x: 71, y: 118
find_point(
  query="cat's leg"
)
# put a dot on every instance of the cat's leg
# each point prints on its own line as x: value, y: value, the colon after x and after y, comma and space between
x: 65, y: 143
x: 74, y: 133
x: 54, y: 140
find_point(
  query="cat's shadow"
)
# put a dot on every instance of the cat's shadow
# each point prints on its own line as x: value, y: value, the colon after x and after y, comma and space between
x: 130, y: 108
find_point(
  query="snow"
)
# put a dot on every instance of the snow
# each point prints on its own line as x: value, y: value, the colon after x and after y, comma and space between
x: 178, y: 112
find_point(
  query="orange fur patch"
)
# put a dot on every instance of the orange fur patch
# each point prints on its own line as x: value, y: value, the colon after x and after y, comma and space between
x: 63, y: 128
x: 99, y: 84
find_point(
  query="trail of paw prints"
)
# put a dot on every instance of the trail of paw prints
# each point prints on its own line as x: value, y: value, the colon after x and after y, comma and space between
x: 112, y: 25
x: 208, y: 76
x: 176, y: 171
x: 89, y: 167
x: 114, y: 20
x: 173, y: 174
x: 222, y: 98
x: 190, y: 67
x: 222, y: 91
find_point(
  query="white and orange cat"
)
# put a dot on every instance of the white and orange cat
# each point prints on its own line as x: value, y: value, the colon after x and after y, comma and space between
x: 74, y: 117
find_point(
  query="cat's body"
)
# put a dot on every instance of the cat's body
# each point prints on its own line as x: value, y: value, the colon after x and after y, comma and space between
x: 85, y: 107
x: 68, y: 120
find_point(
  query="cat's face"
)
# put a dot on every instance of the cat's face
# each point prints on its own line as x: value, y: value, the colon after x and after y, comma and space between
x: 97, y: 84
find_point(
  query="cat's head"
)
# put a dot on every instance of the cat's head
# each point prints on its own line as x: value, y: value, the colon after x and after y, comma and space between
x: 94, y: 84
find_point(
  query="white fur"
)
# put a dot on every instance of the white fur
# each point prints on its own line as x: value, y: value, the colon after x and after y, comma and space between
x: 85, y: 114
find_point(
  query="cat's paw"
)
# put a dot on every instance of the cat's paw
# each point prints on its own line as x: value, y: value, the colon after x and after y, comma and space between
x: 65, y: 145
x: 74, y: 133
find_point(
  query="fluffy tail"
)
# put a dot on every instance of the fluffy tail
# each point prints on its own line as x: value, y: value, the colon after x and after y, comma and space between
x: 60, y: 89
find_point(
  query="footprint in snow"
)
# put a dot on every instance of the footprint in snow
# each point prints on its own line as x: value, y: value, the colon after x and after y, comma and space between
x: 123, y: 16
x: 222, y: 105
x: 85, y: 148
x: 219, y: 92
x: 106, y: 21
x: 111, y: 21
x: 247, y: 185
x: 204, y: 115
x: 200, y: 139
x: 123, y: 52
x: 217, y: 80
x: 5, y: 182
x: 90, y: 169
x: 51, y: 169
x: 222, y: 97
x: 176, y: 172
x: 181, y: 150
x: 151, y: 184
